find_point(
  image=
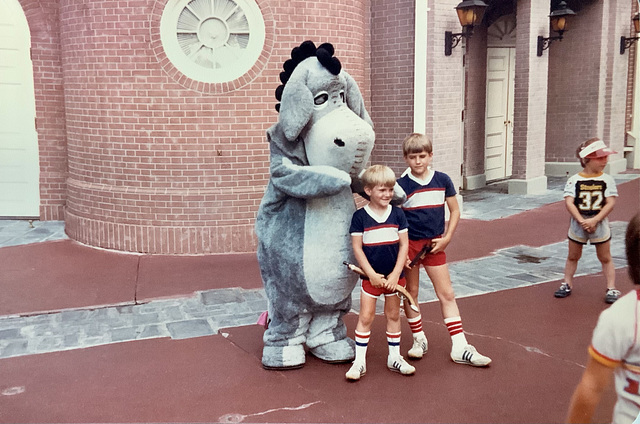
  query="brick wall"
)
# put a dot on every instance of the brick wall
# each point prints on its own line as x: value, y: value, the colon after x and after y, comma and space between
x: 159, y: 163
x: 392, y: 82
x: 588, y: 81
x: 392, y: 47
x: 576, y: 66
x: 445, y: 91
x: 42, y: 17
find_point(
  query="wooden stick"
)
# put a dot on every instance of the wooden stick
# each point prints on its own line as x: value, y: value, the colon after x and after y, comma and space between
x: 412, y: 303
x: 420, y: 255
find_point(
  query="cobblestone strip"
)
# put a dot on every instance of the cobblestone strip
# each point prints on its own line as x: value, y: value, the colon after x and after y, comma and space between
x: 201, y: 315
x: 207, y: 312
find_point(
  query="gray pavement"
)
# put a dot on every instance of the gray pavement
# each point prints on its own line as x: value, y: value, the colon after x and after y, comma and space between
x: 210, y: 312
x: 494, y: 202
x: 18, y: 232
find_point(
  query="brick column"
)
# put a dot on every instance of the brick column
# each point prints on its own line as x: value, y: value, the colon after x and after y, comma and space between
x: 445, y: 89
x: 530, y: 99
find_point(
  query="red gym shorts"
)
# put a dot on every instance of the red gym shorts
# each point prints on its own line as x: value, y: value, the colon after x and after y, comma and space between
x: 377, y: 291
x: 430, y: 259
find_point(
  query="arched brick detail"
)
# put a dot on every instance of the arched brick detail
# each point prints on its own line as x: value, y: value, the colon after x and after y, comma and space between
x: 212, y: 88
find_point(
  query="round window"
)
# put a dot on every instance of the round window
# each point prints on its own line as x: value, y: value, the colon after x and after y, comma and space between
x: 212, y: 41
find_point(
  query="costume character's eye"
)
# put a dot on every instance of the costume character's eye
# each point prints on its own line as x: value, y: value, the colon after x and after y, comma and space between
x: 321, y: 98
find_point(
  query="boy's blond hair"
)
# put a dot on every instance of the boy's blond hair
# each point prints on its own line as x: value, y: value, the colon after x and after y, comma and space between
x: 416, y: 143
x: 584, y: 161
x: 378, y: 175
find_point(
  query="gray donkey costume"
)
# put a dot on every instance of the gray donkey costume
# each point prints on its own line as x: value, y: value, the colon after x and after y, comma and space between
x: 321, y: 142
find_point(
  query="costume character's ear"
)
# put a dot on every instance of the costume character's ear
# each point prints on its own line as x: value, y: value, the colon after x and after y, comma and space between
x: 296, y: 106
x: 354, y: 99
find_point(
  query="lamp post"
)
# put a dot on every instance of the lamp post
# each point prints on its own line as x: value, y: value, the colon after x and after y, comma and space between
x: 559, y: 19
x: 470, y: 13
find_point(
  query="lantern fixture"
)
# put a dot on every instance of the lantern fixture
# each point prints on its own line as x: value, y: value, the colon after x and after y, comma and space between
x: 559, y: 19
x: 470, y: 13
x: 626, y: 42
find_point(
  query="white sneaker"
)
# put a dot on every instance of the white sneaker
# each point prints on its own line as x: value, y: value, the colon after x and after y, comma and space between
x: 356, y: 371
x: 419, y: 348
x: 470, y: 356
x: 398, y: 364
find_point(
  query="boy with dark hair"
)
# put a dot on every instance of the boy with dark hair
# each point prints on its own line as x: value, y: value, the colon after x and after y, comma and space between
x: 427, y: 192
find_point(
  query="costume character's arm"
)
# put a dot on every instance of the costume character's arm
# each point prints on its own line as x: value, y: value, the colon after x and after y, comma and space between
x: 306, y: 181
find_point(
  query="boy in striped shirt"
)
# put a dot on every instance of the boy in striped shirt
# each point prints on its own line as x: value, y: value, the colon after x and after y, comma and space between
x: 426, y: 192
x: 379, y: 239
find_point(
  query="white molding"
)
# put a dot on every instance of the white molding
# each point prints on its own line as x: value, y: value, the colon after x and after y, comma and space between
x: 420, y: 67
x: 537, y: 185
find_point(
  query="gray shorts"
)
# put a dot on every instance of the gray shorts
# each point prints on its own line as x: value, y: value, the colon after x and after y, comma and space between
x: 602, y: 233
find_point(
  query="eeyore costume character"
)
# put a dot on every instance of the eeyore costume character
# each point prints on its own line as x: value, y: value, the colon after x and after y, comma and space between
x: 321, y: 142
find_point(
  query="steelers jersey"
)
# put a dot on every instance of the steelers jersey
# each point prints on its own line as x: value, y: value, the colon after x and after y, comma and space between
x: 616, y: 344
x: 590, y: 193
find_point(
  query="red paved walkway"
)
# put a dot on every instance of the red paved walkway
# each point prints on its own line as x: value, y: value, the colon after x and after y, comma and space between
x: 538, y: 345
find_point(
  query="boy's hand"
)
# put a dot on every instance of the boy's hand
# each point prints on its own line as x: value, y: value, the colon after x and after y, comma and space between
x: 589, y: 225
x: 391, y: 283
x: 439, y: 244
x: 407, y: 262
x: 378, y: 281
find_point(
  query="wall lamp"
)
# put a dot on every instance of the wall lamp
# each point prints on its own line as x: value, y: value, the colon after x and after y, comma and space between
x: 559, y: 19
x: 626, y: 42
x: 470, y: 13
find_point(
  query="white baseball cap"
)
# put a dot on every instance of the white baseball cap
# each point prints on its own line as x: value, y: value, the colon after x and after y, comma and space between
x: 596, y: 150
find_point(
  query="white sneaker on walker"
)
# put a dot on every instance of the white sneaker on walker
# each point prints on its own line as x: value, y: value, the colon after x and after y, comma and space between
x: 356, y: 371
x: 470, y: 356
x: 419, y: 348
x: 398, y: 364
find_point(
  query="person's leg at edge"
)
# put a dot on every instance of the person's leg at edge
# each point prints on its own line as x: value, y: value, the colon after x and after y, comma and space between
x: 363, y: 332
x: 461, y: 350
x: 420, y: 343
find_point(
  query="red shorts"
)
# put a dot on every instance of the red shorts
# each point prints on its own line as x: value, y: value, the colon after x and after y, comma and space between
x: 430, y: 259
x: 377, y: 291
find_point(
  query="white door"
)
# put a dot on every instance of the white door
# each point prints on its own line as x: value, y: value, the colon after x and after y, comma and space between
x: 499, y: 113
x: 19, y: 164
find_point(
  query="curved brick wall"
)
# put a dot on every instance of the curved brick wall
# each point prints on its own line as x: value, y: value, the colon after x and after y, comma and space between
x: 159, y: 163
